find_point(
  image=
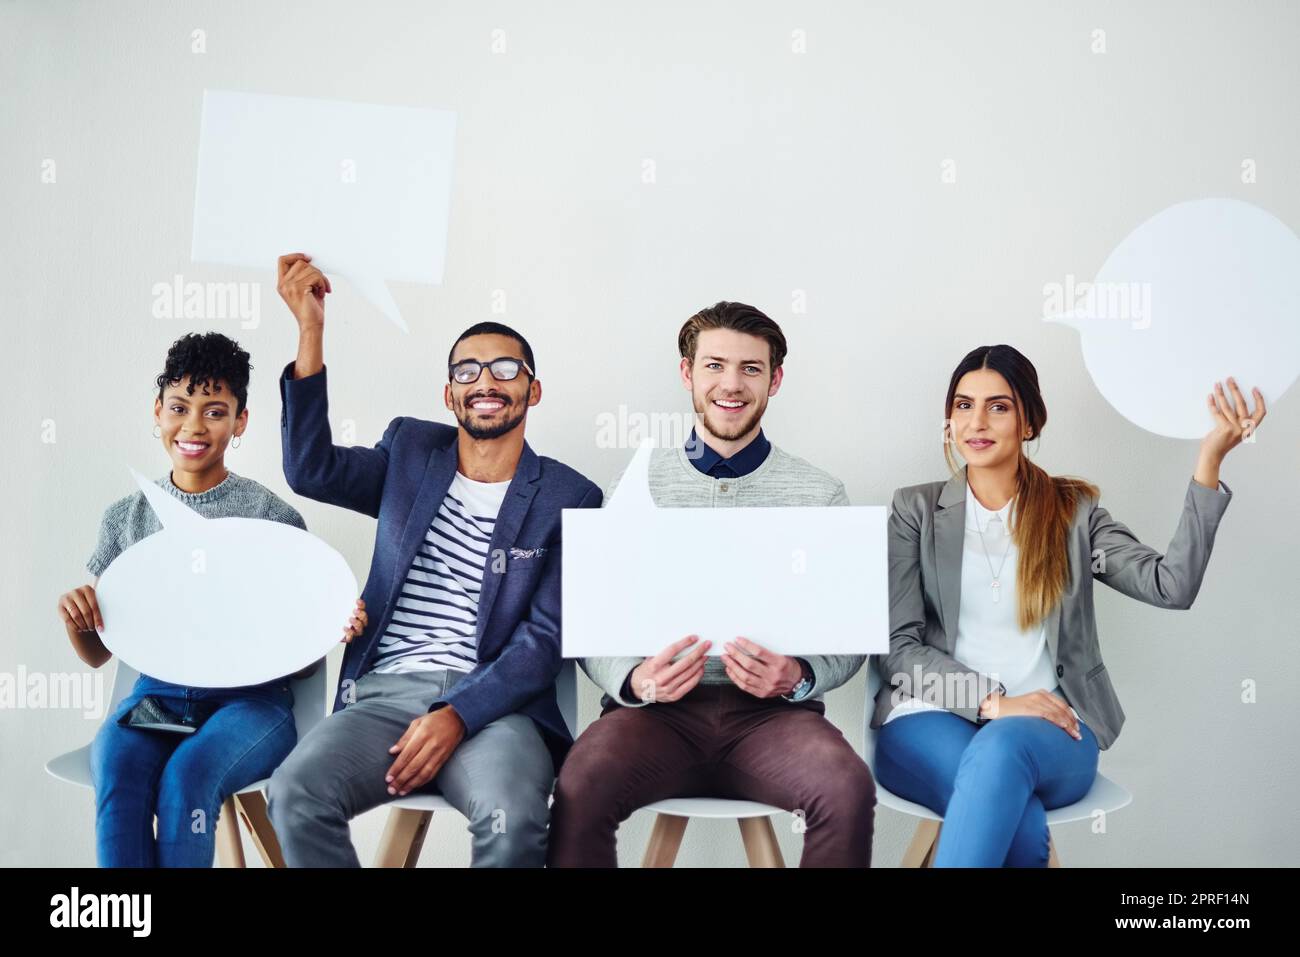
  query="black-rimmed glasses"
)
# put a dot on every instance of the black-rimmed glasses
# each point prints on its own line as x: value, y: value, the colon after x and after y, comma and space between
x: 503, y: 369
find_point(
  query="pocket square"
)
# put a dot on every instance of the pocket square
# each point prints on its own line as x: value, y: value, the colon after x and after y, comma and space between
x: 527, y: 552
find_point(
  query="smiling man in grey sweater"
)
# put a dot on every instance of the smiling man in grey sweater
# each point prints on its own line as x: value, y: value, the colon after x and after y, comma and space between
x: 749, y: 723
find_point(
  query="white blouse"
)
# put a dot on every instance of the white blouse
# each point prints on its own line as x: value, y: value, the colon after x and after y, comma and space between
x: 989, y: 638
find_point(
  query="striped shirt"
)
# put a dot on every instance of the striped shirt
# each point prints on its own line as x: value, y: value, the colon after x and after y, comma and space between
x: 434, y: 623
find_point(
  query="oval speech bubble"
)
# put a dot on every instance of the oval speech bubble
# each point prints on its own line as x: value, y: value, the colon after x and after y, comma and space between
x: 1203, y: 290
x: 223, y: 602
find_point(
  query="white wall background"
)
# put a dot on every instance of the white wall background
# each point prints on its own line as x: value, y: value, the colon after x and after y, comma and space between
x: 776, y: 172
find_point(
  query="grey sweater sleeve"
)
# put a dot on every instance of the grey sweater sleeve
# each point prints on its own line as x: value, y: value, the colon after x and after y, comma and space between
x: 278, y: 510
x: 831, y: 671
x: 610, y: 674
x: 109, y: 544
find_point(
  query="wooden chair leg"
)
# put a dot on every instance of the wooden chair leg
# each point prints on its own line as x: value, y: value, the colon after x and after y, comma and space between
x: 920, y: 852
x: 252, y: 809
x: 926, y: 841
x: 665, y: 839
x: 403, y: 837
x: 230, y: 849
x: 759, y: 838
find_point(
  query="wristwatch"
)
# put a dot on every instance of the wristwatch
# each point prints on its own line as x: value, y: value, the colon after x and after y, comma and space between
x: 804, y: 686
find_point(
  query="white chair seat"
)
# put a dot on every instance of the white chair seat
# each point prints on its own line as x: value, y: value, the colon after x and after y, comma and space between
x: 887, y: 798
x: 74, y: 768
x: 712, y: 808
x: 1104, y: 795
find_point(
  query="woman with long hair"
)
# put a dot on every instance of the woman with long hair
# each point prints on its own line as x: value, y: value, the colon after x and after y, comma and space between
x: 996, y: 701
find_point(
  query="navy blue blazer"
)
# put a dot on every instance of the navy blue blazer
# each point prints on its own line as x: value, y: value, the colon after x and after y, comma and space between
x: 401, y: 482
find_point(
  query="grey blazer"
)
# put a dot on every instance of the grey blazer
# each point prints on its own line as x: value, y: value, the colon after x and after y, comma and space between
x: 926, y: 533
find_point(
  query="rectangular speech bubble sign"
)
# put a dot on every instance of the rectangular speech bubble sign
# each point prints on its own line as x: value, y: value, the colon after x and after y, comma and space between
x: 797, y: 580
x: 364, y: 190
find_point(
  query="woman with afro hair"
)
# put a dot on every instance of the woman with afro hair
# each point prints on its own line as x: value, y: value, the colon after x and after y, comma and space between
x: 237, y: 735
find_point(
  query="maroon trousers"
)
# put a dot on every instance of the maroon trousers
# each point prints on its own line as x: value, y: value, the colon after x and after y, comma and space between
x: 718, y: 741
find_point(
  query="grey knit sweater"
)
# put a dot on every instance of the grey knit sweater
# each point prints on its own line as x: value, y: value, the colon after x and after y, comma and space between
x: 131, y: 518
x: 782, y: 480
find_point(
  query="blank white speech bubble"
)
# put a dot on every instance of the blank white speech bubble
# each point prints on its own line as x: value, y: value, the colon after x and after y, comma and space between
x: 795, y: 579
x: 364, y: 190
x: 223, y: 602
x: 1201, y: 291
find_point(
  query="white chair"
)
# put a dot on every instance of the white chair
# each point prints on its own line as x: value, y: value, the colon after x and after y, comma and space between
x: 1104, y: 795
x: 409, y: 817
x: 673, y: 814
x: 250, y: 803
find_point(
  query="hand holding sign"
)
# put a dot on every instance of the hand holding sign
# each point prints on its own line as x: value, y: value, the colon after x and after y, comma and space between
x: 303, y: 288
x: 667, y: 676
x: 223, y: 602
x: 1234, y: 423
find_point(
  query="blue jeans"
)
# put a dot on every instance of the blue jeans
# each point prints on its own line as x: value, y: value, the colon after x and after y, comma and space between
x: 993, y: 783
x: 183, y: 778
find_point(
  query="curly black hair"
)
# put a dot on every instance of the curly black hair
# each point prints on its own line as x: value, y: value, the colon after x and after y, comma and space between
x: 208, y: 359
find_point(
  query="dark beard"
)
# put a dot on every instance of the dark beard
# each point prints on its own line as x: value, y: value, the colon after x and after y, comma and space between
x: 494, y: 431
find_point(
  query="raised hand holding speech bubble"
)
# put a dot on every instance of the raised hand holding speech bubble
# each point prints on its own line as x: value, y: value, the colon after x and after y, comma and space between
x: 223, y: 602
x: 1201, y: 291
x: 364, y: 190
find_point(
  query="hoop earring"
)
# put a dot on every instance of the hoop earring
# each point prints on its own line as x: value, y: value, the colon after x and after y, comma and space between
x: 234, y: 443
x: 157, y: 431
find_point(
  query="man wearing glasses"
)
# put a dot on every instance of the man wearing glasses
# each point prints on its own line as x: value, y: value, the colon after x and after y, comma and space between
x: 452, y: 684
